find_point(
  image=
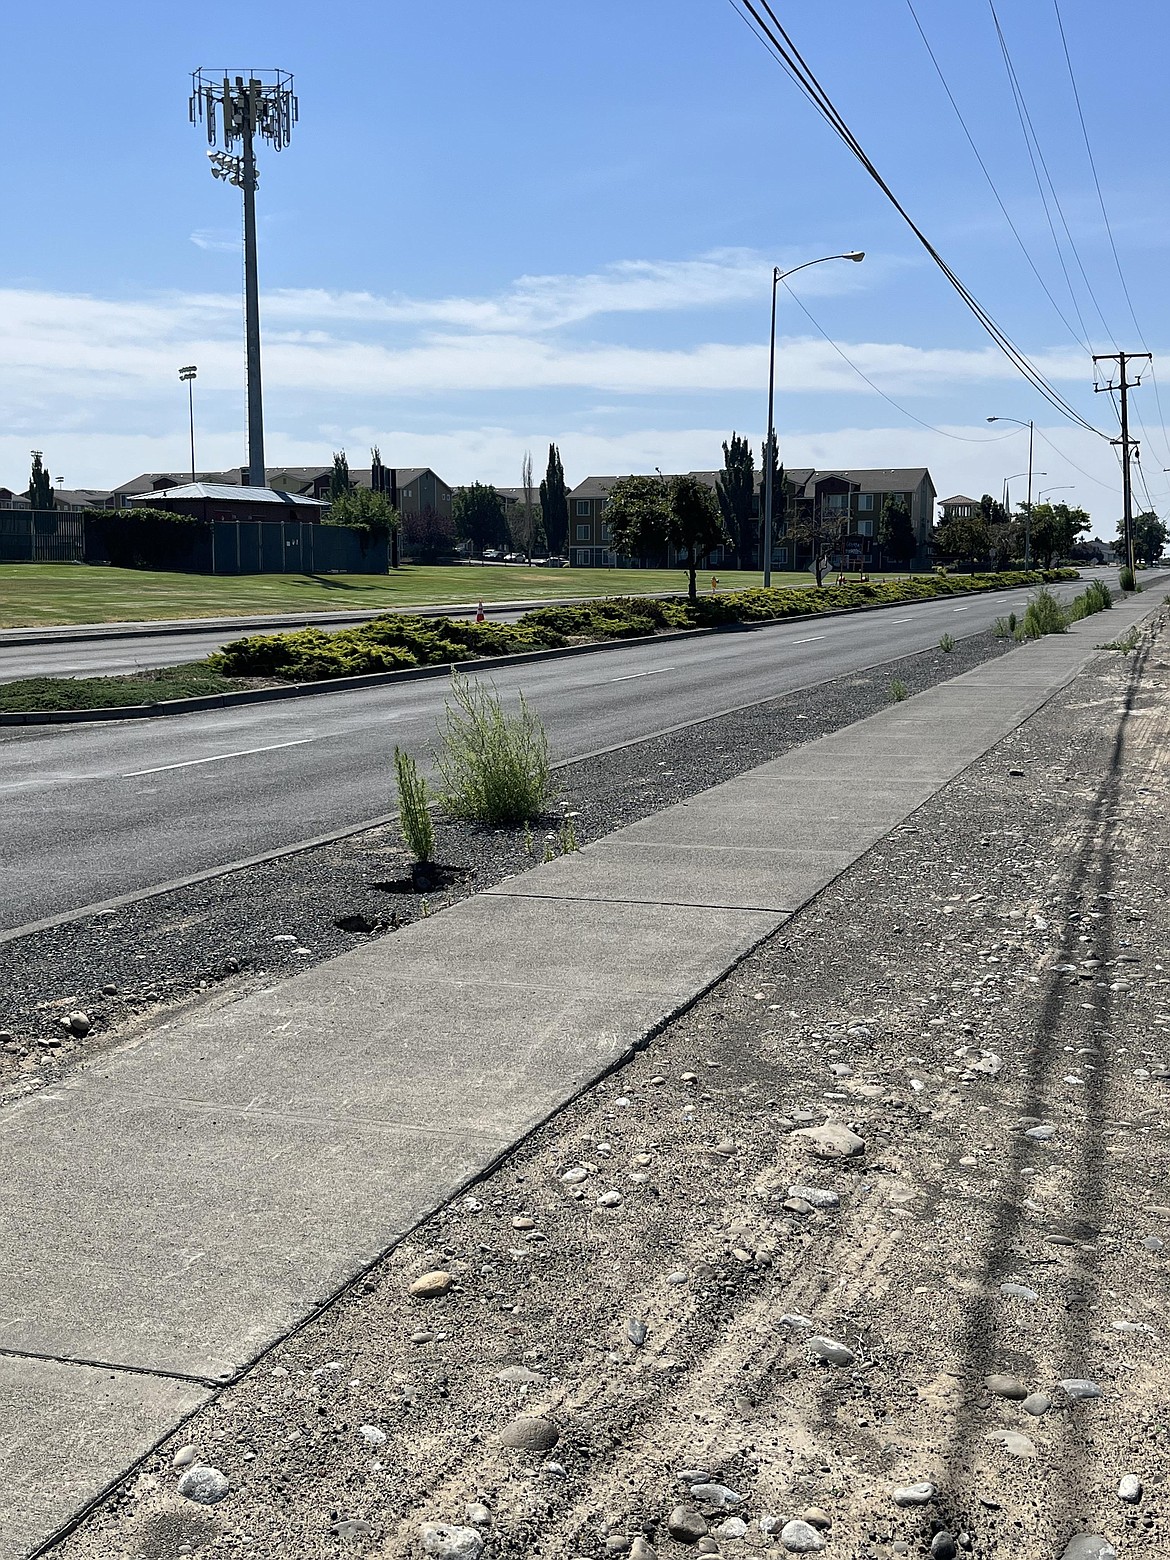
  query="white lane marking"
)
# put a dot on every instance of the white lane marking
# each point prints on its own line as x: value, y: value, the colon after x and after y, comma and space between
x: 901, y: 620
x: 958, y: 609
x: 629, y: 677
x: 812, y: 638
x: 217, y: 758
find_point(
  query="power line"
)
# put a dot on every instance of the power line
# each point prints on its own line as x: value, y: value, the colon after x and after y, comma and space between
x: 1080, y: 339
x: 1032, y: 139
x: 861, y: 374
x: 777, y: 41
x: 1040, y: 434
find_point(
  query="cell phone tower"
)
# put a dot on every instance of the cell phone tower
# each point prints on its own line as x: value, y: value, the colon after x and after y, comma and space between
x: 238, y: 109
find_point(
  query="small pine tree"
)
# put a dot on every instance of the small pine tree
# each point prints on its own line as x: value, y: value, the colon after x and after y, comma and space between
x: 554, y: 503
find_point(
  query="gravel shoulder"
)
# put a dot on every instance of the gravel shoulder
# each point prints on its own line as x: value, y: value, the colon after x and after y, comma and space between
x: 680, y: 1316
x: 123, y: 969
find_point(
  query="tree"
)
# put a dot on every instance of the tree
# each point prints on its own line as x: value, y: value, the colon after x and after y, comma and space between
x: 964, y: 537
x: 427, y: 535
x: 896, y: 531
x: 821, y: 529
x: 694, y: 524
x: 736, y: 488
x: 479, y: 516
x: 637, y: 512
x: 1149, y: 537
x: 525, y: 521
x: 554, y: 503
x: 339, y: 482
x: 646, y: 513
x: 40, y: 487
x: 366, y: 510
x: 993, y: 512
x: 1055, y: 528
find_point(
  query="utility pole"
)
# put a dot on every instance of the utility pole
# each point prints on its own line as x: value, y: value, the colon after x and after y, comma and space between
x: 1122, y: 383
x: 263, y: 105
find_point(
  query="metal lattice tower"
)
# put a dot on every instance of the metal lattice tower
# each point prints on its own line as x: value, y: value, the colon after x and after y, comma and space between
x: 238, y: 109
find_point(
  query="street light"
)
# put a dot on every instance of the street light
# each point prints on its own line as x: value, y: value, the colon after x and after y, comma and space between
x: 779, y: 276
x: 187, y: 377
x: 1061, y: 487
x: 1028, y: 520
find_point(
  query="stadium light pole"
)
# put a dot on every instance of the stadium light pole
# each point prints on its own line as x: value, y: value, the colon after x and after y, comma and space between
x: 1031, y: 427
x: 187, y: 377
x: 263, y: 105
x: 779, y: 276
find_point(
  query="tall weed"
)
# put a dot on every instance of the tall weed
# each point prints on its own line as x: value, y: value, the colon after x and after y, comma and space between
x: 495, y: 765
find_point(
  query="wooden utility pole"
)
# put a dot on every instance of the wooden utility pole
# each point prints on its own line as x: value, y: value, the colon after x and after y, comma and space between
x: 1123, y: 384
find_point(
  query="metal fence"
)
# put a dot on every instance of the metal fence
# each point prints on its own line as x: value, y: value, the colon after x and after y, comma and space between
x: 191, y: 547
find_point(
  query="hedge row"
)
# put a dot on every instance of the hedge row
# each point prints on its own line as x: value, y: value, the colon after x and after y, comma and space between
x: 398, y: 640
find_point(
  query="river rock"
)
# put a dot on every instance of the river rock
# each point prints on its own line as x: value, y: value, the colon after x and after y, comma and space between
x: 531, y: 1433
x: 815, y: 1196
x: 1078, y: 1390
x: 831, y: 1351
x: 715, y: 1495
x: 1007, y: 1387
x: 203, y: 1484
x: 1089, y: 1546
x: 184, y: 1457
x: 1013, y: 1441
x: 733, y: 1527
x: 686, y: 1525
x: 832, y: 1140
x: 801, y: 1538
x: 1036, y: 1403
x: 920, y: 1494
x: 642, y: 1549
x: 451, y: 1543
x: 1130, y: 1489
x: 430, y: 1285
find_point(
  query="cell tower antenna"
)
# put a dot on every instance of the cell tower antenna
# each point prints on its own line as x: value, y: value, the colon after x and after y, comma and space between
x: 238, y: 107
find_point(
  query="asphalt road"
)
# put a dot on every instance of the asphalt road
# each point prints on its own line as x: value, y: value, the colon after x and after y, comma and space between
x: 90, y: 812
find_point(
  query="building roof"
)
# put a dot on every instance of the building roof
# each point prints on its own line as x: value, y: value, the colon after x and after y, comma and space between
x: 281, y: 478
x: 959, y: 498
x: 882, y: 479
x: 598, y: 487
x: 889, y: 479
x: 234, y: 493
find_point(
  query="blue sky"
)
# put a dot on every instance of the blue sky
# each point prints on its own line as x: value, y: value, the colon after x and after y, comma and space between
x: 500, y: 225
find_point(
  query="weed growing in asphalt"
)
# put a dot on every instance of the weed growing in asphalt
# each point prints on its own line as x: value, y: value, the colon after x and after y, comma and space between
x: 495, y: 766
x: 947, y: 643
x: 414, y: 798
x: 548, y: 850
x: 898, y: 690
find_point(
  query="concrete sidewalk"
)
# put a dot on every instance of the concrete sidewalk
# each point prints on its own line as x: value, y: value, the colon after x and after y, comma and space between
x: 175, y: 1207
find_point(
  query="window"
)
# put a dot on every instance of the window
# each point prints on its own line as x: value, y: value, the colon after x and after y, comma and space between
x: 604, y: 531
x: 837, y: 501
x: 901, y: 498
x: 779, y: 555
x: 864, y: 502
x: 584, y: 532
x: 865, y: 528
x: 582, y: 506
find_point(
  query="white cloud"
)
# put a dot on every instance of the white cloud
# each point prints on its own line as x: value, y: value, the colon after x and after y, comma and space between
x: 222, y: 240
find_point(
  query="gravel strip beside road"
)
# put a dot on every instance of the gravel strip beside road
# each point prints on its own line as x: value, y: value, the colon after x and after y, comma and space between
x: 682, y: 1316
x: 288, y: 914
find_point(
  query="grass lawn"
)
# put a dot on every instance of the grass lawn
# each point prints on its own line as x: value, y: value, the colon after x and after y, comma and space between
x: 42, y: 594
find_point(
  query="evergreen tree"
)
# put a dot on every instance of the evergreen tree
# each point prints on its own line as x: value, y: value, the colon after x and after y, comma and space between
x: 896, y: 532
x: 40, y: 487
x: 737, y: 489
x: 339, y: 482
x: 554, y: 503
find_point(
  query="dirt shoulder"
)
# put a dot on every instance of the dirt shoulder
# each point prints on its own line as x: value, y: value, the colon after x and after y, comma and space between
x: 982, y: 1001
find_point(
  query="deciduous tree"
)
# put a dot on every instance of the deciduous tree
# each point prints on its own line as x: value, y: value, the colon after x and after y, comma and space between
x: 964, y: 538
x: 479, y: 516
x: 694, y: 524
x: 896, y: 531
x: 1149, y: 537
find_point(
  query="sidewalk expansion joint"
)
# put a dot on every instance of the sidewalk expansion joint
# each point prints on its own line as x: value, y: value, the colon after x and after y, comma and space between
x: 212, y: 1383
x: 652, y: 904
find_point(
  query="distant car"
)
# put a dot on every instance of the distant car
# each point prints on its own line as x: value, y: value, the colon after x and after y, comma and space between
x: 552, y: 563
x: 513, y: 557
x: 491, y: 554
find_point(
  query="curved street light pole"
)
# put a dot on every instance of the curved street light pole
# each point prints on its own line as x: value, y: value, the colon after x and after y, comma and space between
x: 770, y: 443
x: 1031, y: 427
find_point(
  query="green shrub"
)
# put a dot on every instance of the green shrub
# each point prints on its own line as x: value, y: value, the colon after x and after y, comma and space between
x: 495, y: 766
x: 898, y: 690
x: 1002, y: 628
x: 1127, y: 581
x: 1044, y: 615
x: 1096, y: 598
x: 418, y: 829
x: 947, y: 643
